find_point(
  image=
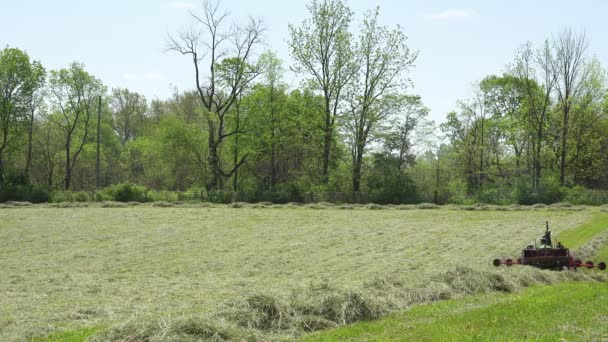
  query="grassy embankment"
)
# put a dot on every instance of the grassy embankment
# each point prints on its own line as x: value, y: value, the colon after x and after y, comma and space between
x: 566, y: 311
x: 570, y: 311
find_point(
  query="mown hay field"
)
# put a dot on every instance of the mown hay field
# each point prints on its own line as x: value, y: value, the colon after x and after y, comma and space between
x: 71, y: 268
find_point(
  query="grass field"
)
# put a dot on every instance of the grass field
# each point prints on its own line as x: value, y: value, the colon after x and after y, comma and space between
x: 91, y: 268
x: 540, y: 313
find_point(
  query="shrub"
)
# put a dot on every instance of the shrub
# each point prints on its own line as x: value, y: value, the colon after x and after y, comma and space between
x: 127, y: 192
x: 219, y: 197
x: 19, y: 189
x: 548, y: 191
x: 73, y: 196
x: 581, y: 195
x: 82, y: 196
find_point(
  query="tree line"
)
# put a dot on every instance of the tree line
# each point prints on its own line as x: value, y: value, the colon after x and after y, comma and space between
x: 537, y: 132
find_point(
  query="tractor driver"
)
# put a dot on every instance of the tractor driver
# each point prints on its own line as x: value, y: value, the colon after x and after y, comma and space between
x: 545, y: 241
x: 547, y: 238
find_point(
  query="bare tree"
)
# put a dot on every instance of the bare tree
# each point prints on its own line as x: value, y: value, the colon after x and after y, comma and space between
x: 227, y: 52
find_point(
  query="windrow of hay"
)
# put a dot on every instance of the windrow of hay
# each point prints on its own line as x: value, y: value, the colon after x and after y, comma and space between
x: 163, y: 204
x: 479, y: 206
x: 237, y: 205
x: 562, y: 205
x: 591, y: 247
x: 69, y: 205
x: 15, y: 204
x: 565, y: 206
x: 269, y: 316
x: 190, y: 328
x: 428, y: 206
x: 113, y: 204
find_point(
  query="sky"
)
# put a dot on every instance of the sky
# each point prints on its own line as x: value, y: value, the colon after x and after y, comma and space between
x: 123, y: 43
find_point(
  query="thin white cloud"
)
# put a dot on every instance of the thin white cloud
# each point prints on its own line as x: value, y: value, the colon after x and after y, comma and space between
x: 144, y: 76
x: 452, y: 14
x: 182, y: 5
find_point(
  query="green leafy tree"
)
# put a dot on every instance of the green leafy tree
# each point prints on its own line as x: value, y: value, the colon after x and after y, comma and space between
x: 19, y: 80
x: 572, y: 73
x: 321, y: 48
x: 537, y: 84
x: 75, y: 93
x: 170, y: 155
x: 128, y: 109
x: 377, y: 88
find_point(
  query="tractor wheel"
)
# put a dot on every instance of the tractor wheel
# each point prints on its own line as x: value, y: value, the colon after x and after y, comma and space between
x: 589, y: 264
x: 601, y: 266
x: 577, y: 263
x: 509, y: 262
x: 496, y: 262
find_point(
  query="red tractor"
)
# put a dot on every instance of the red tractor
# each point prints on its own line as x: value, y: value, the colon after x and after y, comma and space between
x: 547, y: 256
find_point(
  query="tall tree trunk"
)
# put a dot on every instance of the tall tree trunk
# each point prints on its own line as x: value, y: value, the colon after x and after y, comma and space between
x: 436, y: 192
x: 537, y: 156
x: 1, y: 168
x: 564, y: 137
x: 273, y: 162
x: 97, y: 160
x: 236, y: 148
x: 481, y: 175
x: 68, y: 168
x: 30, y: 130
x: 357, y: 168
x: 214, y: 180
x: 562, y: 161
x: 327, y: 141
x: 51, y: 173
x: 326, y: 155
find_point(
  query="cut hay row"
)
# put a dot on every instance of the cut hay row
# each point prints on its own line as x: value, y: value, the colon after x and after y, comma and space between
x: 268, y: 316
x: 293, y: 205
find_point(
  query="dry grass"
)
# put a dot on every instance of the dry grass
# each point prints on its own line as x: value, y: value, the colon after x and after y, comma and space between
x: 222, y: 273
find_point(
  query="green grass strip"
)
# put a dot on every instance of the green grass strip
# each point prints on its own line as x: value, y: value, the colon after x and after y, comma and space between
x: 602, y: 254
x: 68, y: 336
x: 576, y: 237
x: 540, y: 313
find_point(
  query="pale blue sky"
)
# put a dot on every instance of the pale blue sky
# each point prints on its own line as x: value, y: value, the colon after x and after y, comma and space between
x: 460, y: 42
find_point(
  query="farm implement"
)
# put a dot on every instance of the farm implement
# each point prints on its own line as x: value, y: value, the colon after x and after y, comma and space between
x: 548, y: 256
